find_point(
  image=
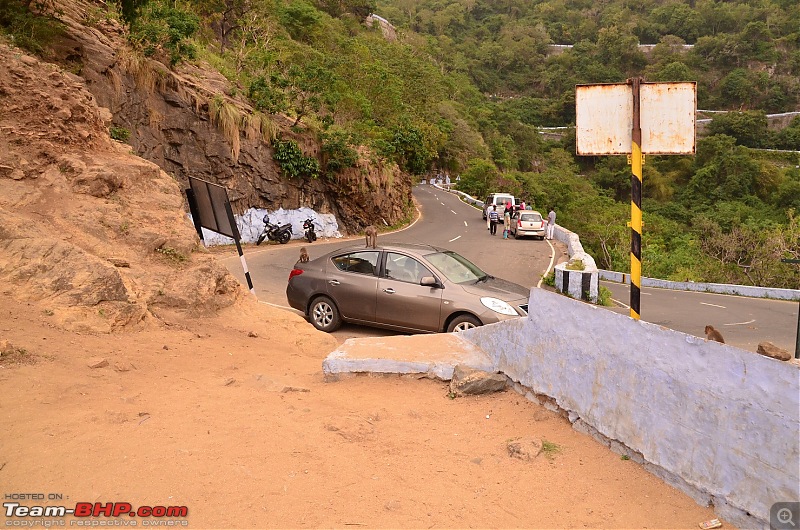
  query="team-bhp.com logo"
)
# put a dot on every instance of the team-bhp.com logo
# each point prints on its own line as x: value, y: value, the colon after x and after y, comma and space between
x: 87, y: 514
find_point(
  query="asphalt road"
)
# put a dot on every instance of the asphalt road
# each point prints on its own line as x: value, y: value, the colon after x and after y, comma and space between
x: 743, y: 321
x: 447, y: 222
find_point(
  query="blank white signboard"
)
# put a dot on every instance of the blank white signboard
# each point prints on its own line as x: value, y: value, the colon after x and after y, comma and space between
x: 604, y: 118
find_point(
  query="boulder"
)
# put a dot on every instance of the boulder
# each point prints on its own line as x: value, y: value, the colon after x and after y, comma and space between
x: 768, y: 349
x: 526, y: 449
x: 466, y: 381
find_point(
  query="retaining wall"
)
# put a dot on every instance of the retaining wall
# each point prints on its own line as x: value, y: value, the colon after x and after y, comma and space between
x: 720, y: 423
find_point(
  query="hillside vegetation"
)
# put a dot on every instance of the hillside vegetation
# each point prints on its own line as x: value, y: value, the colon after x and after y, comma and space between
x: 466, y: 85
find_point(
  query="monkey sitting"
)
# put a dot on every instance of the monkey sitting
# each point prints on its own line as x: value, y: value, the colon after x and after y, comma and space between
x: 371, y: 233
x: 713, y: 334
x: 303, y: 255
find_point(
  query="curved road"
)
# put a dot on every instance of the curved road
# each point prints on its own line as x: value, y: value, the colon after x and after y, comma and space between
x: 445, y: 221
x: 449, y: 223
x: 743, y: 321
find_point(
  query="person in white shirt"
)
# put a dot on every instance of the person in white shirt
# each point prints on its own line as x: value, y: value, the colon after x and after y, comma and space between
x: 551, y: 223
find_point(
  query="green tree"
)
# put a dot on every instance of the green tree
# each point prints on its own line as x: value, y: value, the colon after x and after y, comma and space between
x: 749, y: 127
x: 413, y: 144
x: 479, y: 178
x: 302, y: 87
x: 300, y: 19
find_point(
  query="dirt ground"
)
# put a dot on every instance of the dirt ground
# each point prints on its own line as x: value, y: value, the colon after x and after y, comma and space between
x: 244, y: 432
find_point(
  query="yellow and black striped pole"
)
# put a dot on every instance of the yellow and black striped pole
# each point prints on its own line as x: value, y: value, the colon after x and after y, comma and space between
x: 636, y: 204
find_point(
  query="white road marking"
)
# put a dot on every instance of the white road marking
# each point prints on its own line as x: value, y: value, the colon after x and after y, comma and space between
x: 277, y: 305
x: 552, y: 258
x: 465, y: 223
x: 440, y: 202
x: 453, y: 212
x: 626, y: 306
x: 454, y: 239
x: 714, y: 305
x: 740, y: 323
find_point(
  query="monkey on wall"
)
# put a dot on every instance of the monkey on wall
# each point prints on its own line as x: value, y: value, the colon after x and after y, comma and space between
x: 371, y: 233
x: 713, y: 334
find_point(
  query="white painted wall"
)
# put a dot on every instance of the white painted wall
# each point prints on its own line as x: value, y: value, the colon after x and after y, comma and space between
x: 724, y: 421
x: 250, y: 224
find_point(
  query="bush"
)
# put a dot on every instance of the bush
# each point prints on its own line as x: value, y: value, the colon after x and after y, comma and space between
x: 604, y: 296
x: 162, y: 28
x: 27, y: 30
x: 293, y: 162
x: 120, y: 134
x: 337, y: 151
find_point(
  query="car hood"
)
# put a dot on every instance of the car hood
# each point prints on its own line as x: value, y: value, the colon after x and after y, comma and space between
x: 498, y: 288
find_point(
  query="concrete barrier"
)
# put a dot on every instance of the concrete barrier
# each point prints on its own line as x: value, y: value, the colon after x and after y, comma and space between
x: 719, y: 423
x: 580, y: 284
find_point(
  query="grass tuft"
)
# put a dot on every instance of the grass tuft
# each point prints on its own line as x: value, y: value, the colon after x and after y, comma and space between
x: 227, y: 118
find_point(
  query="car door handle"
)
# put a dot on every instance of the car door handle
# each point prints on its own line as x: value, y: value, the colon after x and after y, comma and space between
x: 333, y: 282
x: 388, y: 290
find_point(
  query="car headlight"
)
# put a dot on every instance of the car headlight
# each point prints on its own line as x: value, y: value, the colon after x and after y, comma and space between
x: 498, y: 306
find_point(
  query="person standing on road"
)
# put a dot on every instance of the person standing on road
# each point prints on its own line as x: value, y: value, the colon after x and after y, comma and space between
x: 551, y: 223
x: 507, y: 219
x: 493, y: 217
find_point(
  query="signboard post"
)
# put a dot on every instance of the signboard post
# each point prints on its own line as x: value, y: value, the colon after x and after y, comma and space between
x: 635, y: 118
x: 211, y: 209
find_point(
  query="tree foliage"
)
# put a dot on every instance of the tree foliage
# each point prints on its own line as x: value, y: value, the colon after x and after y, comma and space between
x: 163, y: 28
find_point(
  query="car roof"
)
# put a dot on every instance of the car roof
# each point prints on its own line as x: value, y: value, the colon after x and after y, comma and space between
x: 415, y: 247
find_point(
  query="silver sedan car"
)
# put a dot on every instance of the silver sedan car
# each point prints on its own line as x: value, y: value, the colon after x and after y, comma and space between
x: 406, y: 287
x: 527, y: 223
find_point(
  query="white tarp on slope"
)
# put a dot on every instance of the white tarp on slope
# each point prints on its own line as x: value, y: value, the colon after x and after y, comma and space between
x: 251, y: 222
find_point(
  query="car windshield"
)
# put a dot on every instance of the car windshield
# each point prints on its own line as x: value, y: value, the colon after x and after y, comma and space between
x: 531, y: 217
x: 455, y: 267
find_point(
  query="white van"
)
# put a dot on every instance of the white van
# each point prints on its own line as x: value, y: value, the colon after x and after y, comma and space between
x: 499, y: 200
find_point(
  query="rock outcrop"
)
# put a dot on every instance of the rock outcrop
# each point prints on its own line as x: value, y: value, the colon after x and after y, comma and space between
x: 75, y: 204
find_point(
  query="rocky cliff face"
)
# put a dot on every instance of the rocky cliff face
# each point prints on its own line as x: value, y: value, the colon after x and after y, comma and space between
x: 167, y: 113
x: 94, y: 235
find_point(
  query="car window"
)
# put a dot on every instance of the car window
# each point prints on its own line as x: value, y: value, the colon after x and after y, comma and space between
x: 361, y: 262
x: 531, y: 217
x: 455, y: 267
x: 404, y: 268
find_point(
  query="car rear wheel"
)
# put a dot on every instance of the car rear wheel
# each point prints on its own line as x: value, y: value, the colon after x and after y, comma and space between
x: 463, y: 322
x: 323, y: 315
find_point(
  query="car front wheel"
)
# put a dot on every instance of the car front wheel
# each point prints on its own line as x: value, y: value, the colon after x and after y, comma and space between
x: 463, y: 322
x: 323, y: 315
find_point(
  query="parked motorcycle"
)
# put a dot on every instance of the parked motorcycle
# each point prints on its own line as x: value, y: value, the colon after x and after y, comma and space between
x: 273, y: 232
x: 310, y: 234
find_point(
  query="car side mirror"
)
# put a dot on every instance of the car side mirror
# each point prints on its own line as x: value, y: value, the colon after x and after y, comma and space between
x: 429, y: 281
